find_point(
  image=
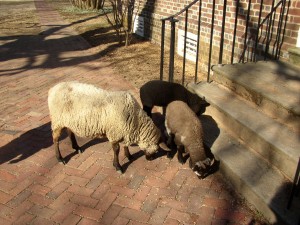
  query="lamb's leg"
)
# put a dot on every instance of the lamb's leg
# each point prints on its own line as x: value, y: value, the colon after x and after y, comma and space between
x: 148, y: 110
x: 73, y: 141
x: 116, y: 163
x: 56, y: 134
x: 127, y: 153
x: 180, y: 151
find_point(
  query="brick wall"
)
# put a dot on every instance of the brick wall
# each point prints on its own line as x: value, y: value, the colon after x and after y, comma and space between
x: 154, y: 10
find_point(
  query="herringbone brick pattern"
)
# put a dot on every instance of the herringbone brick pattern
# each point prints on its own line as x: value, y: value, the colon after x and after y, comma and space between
x: 36, y: 189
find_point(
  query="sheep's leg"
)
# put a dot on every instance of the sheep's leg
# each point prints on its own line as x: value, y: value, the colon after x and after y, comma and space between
x: 73, y: 141
x: 127, y: 153
x: 148, y: 110
x: 56, y: 134
x: 116, y: 163
x: 180, y: 150
x: 170, y: 144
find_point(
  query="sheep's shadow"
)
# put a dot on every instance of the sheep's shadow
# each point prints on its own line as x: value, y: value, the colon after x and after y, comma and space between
x: 135, y: 156
x: 83, y: 147
x: 26, y: 144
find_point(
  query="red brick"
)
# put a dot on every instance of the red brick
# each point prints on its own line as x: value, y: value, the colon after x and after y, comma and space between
x: 174, y: 204
x: 142, y: 193
x: 111, y: 214
x: 39, y: 189
x: 59, y: 203
x: 96, y: 181
x: 217, y: 203
x: 128, y: 202
x: 84, y: 201
x: 159, y: 215
x: 156, y: 182
x: 101, y: 191
x: 87, y: 164
x: 115, y: 180
x: 85, y: 221
x: 40, y: 220
x: 60, y: 215
x: 170, y: 173
x: 73, y: 171
x: 170, y: 221
x: 123, y: 191
x: 135, y: 215
x: 24, y: 219
x: 20, y: 209
x: 106, y: 201
x: 4, y: 198
x: 40, y: 200
x: 91, y: 172
x: 136, y: 181
x: 71, y: 219
x: 75, y: 189
x: 76, y: 180
x: 180, y: 216
x: 56, y: 180
x: 120, y: 221
x: 58, y: 190
x: 88, y: 213
x: 7, y: 176
x: 6, y: 186
x: 41, y: 211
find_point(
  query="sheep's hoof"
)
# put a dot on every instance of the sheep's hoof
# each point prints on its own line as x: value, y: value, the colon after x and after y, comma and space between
x: 79, y: 150
x: 61, y: 161
x: 149, y: 157
x: 181, y: 161
x: 120, y: 170
x: 130, y: 157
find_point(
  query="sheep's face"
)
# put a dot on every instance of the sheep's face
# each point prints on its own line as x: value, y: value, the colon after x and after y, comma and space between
x: 149, y: 150
x: 202, y: 168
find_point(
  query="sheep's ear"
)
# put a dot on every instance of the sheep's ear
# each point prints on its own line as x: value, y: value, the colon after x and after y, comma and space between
x: 164, y: 147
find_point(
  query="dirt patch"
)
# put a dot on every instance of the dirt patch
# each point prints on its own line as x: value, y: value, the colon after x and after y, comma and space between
x: 137, y: 63
x: 15, y: 20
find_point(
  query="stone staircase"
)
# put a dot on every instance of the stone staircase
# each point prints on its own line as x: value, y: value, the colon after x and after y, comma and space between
x: 253, y: 126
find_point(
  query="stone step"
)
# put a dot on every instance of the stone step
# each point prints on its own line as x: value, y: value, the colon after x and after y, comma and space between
x: 274, y: 86
x: 294, y: 55
x: 276, y: 143
x: 260, y: 184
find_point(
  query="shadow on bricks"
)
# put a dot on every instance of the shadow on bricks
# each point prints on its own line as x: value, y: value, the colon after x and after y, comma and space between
x: 26, y: 144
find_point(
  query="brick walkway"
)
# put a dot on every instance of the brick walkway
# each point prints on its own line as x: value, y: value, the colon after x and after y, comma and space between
x: 35, y: 189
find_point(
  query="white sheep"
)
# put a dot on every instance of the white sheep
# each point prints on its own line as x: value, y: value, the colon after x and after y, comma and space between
x: 183, y: 125
x: 88, y: 111
x: 161, y: 93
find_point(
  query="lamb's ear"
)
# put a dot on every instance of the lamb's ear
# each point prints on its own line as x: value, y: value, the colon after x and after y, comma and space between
x: 164, y: 147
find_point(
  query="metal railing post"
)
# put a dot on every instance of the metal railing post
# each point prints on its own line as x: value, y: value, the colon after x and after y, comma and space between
x: 222, y: 33
x: 172, y: 49
x: 162, y: 49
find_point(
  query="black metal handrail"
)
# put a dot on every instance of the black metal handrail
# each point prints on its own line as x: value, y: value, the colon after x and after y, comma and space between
x: 251, y: 40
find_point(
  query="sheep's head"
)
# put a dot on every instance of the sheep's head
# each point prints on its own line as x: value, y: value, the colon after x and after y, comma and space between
x: 203, y: 168
x: 151, y: 149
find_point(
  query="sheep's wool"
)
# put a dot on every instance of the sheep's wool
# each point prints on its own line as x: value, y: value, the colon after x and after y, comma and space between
x: 92, y: 112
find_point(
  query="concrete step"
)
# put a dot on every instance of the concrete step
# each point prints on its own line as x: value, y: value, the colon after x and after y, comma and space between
x: 274, y: 86
x: 276, y: 143
x: 260, y: 184
x: 294, y: 55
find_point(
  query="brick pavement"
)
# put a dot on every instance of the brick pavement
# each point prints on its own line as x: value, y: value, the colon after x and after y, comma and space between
x: 36, y: 189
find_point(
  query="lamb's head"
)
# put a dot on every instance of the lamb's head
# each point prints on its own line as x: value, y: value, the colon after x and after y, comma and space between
x: 203, y: 168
